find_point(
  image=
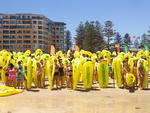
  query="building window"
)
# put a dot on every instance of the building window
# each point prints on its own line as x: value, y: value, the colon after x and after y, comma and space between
x: 39, y: 22
x: 26, y: 22
x: 34, y: 37
x: 27, y: 41
x: 13, y: 22
x: 6, y: 32
x: 5, y: 27
x: 26, y: 32
x: 62, y: 34
x: 40, y: 42
x: 27, y: 37
x: 19, y: 31
x: 13, y: 37
x: 39, y: 27
x: 34, y: 41
x: 6, y: 41
x: 34, y: 22
x: 19, y: 26
x: 13, y: 27
x: 19, y: 22
x: 34, y: 32
x: 19, y: 41
x: 5, y: 22
x: 12, y: 41
x: 12, y: 17
x: 40, y: 47
x: 61, y: 29
x: 26, y: 46
x: 6, y: 37
x: 12, y: 32
x: 27, y: 27
x: 20, y: 37
x: 40, y: 37
x: 6, y: 47
x: 40, y: 32
x: 12, y: 47
x: 19, y: 46
x: 6, y: 17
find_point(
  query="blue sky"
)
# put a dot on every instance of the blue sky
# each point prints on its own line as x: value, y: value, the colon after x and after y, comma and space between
x: 128, y: 16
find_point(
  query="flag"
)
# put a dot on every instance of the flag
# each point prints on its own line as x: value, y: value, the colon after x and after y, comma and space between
x: 117, y: 45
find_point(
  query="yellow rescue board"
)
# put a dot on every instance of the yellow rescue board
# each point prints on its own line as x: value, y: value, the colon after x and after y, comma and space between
x: 50, y: 73
x: 103, y: 75
x: 117, y: 69
x: 87, y: 74
x: 6, y: 91
x: 76, y: 73
x: 130, y: 79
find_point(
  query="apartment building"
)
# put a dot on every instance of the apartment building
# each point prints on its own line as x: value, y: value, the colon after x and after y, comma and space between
x: 21, y: 32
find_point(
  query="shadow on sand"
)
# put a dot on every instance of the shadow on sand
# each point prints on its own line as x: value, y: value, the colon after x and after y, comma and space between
x: 146, y: 89
x: 33, y: 90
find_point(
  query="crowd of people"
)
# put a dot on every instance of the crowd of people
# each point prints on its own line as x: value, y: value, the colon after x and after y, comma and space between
x: 14, y: 66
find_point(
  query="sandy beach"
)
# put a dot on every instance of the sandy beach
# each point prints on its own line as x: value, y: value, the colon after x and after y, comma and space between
x: 97, y: 100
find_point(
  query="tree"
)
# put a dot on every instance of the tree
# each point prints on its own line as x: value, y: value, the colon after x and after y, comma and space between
x: 99, y: 30
x: 92, y: 40
x: 68, y: 40
x: 89, y: 36
x: 109, y: 32
x: 80, y: 35
x: 127, y: 39
x: 118, y: 38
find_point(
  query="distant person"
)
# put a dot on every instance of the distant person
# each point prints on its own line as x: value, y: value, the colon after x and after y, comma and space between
x: 125, y: 70
x: 39, y: 74
x: 141, y: 73
x: 43, y: 73
x: 61, y: 72
x: 12, y: 75
x: 69, y: 70
x: 56, y: 74
x: 25, y: 77
x: 135, y: 69
x: 20, y: 76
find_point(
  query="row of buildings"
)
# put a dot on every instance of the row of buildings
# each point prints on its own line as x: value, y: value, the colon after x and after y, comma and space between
x: 21, y: 32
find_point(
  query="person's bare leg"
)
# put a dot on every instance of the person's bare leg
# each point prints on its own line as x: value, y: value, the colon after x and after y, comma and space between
x: 58, y: 81
x: 14, y: 83
x: 54, y: 80
x: 21, y: 84
x: 71, y: 84
x: 61, y: 81
x: 67, y: 82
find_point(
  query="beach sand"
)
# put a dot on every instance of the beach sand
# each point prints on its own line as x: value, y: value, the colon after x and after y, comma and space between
x: 97, y: 100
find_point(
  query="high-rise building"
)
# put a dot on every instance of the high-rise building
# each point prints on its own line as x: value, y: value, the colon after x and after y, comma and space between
x: 58, y: 35
x: 19, y: 32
